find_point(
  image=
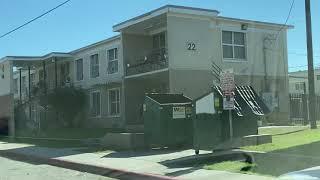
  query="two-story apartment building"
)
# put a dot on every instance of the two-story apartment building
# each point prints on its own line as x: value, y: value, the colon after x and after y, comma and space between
x: 167, y: 50
x: 298, y: 82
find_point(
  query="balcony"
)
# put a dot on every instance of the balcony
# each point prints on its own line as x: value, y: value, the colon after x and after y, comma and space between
x: 156, y: 60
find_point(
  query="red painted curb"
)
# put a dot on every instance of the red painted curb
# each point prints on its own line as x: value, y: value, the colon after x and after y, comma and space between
x: 99, y: 170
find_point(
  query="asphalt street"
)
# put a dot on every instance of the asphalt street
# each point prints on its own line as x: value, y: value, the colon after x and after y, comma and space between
x: 13, y: 170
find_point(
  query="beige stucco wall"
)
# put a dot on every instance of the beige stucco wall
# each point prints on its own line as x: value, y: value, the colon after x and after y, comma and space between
x: 6, y: 74
x: 206, y: 34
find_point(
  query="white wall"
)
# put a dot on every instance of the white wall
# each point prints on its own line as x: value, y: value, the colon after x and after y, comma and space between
x: 206, y: 34
x: 104, y: 77
x: 205, y: 104
x: 5, y: 77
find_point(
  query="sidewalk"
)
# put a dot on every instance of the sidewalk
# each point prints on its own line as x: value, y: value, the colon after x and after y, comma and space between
x: 124, y: 165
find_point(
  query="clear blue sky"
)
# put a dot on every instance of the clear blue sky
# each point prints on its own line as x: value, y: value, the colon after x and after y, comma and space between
x: 81, y: 22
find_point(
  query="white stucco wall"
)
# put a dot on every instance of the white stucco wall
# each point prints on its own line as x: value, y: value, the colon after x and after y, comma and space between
x: 6, y: 75
x: 104, y: 77
x: 206, y: 34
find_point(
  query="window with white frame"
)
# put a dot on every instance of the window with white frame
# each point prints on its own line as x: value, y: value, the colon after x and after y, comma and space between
x: 300, y: 86
x: 234, y: 45
x: 15, y: 86
x: 41, y: 74
x: 24, y: 84
x: 112, y: 55
x: 94, y: 66
x: 95, y: 103
x: 79, y: 69
x: 33, y: 79
x: 114, y: 102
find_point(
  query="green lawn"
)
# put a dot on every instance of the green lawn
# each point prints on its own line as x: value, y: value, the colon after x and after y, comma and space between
x: 231, y: 166
x: 288, y: 140
x: 289, y: 152
x: 281, y: 130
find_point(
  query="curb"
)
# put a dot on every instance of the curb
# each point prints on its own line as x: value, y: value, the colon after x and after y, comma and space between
x: 93, y: 169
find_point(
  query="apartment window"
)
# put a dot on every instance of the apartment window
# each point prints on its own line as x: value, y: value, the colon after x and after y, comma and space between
x: 300, y: 86
x: 33, y: 79
x: 65, y: 68
x: 114, y: 102
x: 79, y: 69
x: 41, y: 74
x: 94, y: 66
x: 95, y: 105
x: 15, y: 86
x: 24, y: 84
x: 318, y: 77
x: 233, y: 45
x: 159, y: 40
x: 112, y: 60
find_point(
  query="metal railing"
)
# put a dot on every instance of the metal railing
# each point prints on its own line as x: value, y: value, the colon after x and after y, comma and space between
x: 156, y: 60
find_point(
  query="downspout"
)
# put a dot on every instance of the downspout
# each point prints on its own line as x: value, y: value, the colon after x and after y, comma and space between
x: 44, y: 77
x: 29, y: 91
x: 55, y: 72
x: 20, y: 88
x: 265, y: 78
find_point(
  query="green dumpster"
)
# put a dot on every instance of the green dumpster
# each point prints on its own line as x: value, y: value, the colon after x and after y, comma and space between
x: 168, y: 120
x: 211, y: 122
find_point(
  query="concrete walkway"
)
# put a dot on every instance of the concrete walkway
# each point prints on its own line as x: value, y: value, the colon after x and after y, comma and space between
x: 152, y: 164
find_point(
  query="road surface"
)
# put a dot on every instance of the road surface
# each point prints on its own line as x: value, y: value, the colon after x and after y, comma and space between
x: 12, y: 170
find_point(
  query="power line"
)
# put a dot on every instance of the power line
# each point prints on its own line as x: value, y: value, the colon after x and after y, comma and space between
x: 298, y: 66
x: 28, y: 22
x: 301, y: 54
x: 287, y: 19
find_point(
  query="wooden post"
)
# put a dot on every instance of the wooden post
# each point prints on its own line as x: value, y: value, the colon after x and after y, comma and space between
x: 312, y: 107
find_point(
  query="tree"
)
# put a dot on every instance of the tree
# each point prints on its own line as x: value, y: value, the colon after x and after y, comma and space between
x: 67, y: 101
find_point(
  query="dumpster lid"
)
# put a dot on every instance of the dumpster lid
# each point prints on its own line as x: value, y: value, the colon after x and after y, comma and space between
x: 250, y: 97
x: 166, y: 98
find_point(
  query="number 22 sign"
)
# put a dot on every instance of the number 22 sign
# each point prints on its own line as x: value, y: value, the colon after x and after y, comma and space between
x: 191, y: 46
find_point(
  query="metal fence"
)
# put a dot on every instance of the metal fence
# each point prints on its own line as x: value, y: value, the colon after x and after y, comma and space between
x: 155, y: 60
x: 299, y: 108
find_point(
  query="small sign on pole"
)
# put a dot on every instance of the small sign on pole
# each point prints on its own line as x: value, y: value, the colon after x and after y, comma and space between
x: 227, y: 85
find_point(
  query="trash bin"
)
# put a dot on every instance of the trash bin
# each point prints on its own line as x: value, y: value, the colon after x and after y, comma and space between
x: 168, y: 120
x: 211, y: 122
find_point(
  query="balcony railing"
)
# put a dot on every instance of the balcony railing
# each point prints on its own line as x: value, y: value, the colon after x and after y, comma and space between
x: 156, y: 60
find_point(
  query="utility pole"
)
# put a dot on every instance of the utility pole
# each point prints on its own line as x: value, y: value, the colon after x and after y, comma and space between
x: 312, y: 107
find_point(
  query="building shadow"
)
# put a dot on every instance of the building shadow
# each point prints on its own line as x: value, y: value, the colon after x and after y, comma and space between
x: 141, y: 153
x: 287, y: 160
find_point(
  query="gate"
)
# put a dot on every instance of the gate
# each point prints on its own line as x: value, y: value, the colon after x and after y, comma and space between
x: 299, y: 108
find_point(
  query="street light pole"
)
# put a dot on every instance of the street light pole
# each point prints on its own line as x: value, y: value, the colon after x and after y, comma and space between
x: 312, y: 108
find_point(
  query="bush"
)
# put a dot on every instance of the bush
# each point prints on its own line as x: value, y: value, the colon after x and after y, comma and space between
x: 68, y: 102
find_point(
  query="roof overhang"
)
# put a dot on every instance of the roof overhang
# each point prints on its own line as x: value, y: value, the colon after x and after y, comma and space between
x: 164, y: 10
x: 245, y: 21
x: 34, y: 60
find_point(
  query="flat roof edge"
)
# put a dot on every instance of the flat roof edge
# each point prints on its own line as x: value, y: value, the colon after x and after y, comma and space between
x: 164, y: 9
x: 255, y: 22
x: 96, y: 44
